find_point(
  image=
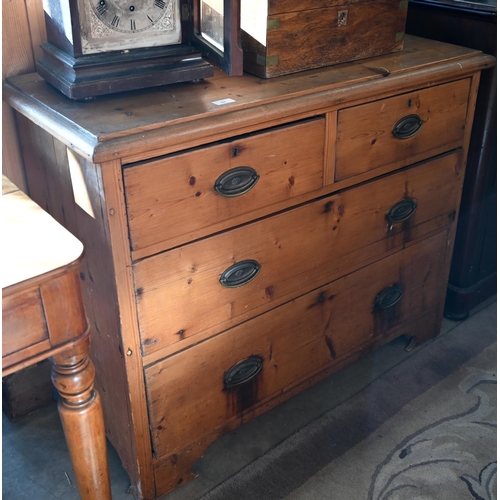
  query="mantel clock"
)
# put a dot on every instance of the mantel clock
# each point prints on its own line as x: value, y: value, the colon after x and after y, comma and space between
x: 97, y: 47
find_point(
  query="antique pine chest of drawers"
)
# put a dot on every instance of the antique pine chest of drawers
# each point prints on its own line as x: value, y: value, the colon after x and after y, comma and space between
x: 245, y: 238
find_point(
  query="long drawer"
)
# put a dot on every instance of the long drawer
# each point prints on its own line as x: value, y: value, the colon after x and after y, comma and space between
x: 401, y: 130
x: 210, y: 285
x: 200, y: 389
x: 210, y: 185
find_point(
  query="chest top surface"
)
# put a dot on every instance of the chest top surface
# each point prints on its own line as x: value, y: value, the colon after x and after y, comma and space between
x: 116, y: 126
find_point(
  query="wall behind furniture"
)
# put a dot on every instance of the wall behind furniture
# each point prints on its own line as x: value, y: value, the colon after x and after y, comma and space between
x: 23, y: 30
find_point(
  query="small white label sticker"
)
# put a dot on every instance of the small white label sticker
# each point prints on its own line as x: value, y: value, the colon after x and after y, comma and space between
x: 223, y: 101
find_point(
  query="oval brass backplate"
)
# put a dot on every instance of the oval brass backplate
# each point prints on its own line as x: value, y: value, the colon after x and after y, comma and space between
x: 240, y: 273
x: 407, y: 126
x: 402, y: 210
x: 243, y: 372
x: 388, y: 297
x: 236, y: 182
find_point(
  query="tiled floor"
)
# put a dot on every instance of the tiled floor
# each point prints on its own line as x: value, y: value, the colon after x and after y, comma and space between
x: 36, y: 464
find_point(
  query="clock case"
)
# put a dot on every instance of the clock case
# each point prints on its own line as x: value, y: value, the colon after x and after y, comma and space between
x: 83, y: 76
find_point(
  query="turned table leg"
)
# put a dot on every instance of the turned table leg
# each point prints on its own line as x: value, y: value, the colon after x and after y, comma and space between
x: 81, y: 414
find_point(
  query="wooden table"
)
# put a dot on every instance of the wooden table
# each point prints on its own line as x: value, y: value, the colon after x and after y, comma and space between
x: 43, y: 316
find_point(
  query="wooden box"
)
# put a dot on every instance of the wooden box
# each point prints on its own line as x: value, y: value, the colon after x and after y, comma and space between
x: 287, y: 36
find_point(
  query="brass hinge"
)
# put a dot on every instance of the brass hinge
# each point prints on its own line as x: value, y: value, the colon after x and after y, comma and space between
x: 267, y: 61
x: 273, y: 24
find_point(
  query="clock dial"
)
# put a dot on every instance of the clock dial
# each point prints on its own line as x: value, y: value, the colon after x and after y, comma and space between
x: 129, y: 24
x: 130, y: 16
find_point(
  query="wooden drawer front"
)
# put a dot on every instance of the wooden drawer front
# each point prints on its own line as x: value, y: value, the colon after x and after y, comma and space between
x: 23, y: 321
x: 366, y: 140
x: 179, y: 294
x: 289, y: 344
x: 171, y: 199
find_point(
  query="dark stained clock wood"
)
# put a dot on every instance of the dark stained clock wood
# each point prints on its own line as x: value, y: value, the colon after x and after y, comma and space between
x: 98, y: 47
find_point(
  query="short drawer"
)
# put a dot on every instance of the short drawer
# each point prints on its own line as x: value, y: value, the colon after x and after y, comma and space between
x: 178, y: 198
x: 401, y: 130
x: 201, y: 389
x: 23, y: 321
x: 210, y: 285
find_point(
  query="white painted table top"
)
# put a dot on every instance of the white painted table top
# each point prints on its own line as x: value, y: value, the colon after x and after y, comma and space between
x: 33, y: 242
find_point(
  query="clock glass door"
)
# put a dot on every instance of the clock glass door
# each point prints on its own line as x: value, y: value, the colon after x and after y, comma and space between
x: 212, y: 22
x: 215, y: 33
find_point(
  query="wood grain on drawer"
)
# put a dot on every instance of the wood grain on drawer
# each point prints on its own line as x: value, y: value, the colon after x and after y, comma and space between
x: 176, y: 196
x: 23, y: 321
x: 288, y: 345
x: 179, y: 294
x: 366, y: 137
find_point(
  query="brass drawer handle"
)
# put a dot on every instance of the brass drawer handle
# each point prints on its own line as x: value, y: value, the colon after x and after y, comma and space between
x: 402, y: 210
x: 240, y: 274
x: 236, y: 181
x: 388, y: 297
x: 243, y: 372
x: 407, y: 126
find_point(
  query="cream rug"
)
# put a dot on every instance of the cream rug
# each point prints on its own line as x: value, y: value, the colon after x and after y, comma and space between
x: 442, y: 446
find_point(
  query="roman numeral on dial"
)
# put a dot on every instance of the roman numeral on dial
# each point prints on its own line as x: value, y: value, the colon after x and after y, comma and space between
x: 115, y: 22
x: 102, y: 7
x: 160, y: 4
